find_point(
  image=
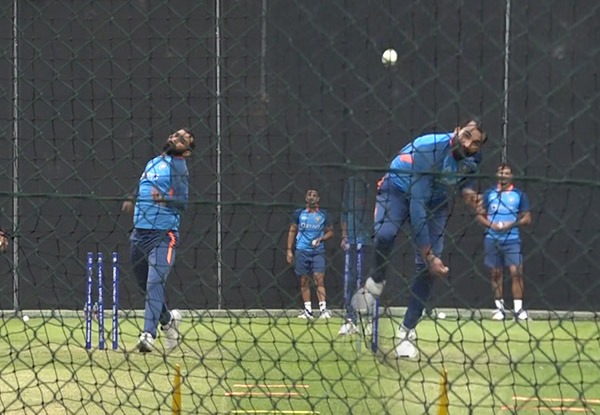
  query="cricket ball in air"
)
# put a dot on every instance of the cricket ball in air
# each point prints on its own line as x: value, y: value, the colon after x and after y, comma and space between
x: 389, y: 57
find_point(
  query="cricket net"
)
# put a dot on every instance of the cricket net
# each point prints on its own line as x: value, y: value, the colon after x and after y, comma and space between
x: 283, y: 96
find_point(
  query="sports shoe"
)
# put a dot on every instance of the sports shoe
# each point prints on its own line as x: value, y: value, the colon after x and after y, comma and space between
x: 406, y: 350
x: 145, y: 343
x: 403, y: 334
x: 522, y: 315
x: 374, y: 288
x: 499, y: 315
x: 305, y: 314
x: 348, y: 328
x: 171, y: 330
x: 325, y: 314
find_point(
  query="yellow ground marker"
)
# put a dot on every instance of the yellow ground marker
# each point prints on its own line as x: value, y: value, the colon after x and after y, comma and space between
x: 177, y: 391
x: 444, y: 403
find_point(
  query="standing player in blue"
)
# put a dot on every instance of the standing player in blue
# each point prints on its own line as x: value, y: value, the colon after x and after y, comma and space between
x: 161, y: 197
x: 416, y: 187
x: 504, y: 209
x: 356, y: 223
x: 309, y: 229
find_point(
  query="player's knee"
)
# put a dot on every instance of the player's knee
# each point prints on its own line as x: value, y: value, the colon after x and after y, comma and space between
x: 384, y: 237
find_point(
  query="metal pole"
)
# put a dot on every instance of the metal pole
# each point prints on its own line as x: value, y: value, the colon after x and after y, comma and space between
x: 15, y: 161
x: 218, y: 146
x: 506, y: 83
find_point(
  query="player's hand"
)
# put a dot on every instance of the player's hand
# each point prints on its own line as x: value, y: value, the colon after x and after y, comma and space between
x: 127, y: 206
x: 344, y: 244
x: 290, y: 257
x: 437, y: 267
x: 501, y: 226
x: 158, y: 197
x: 3, y: 243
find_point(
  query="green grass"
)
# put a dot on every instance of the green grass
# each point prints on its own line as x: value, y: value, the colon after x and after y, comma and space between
x: 44, y: 368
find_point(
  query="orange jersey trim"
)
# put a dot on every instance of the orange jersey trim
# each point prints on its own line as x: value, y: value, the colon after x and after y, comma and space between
x: 171, y: 247
x: 407, y: 158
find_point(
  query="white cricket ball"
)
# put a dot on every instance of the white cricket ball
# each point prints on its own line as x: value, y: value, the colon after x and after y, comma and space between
x: 389, y: 57
x: 314, y: 242
x: 25, y: 319
x: 441, y: 315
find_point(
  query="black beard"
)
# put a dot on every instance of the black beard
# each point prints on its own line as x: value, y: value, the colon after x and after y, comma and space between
x: 170, y: 149
x: 459, y: 153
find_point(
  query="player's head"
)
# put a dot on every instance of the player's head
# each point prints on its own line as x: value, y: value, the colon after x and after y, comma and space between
x: 504, y: 175
x: 470, y: 137
x: 180, y: 143
x: 312, y: 198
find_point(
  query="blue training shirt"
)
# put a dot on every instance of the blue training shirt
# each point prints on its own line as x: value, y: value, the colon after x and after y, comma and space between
x: 504, y: 206
x: 424, y: 169
x: 311, y: 225
x: 169, y: 175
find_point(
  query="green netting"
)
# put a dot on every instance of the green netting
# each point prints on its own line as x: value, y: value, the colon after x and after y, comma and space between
x: 283, y: 96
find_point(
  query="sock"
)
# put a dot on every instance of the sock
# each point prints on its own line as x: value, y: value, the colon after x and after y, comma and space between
x: 499, y: 304
x: 308, y: 306
x: 322, y: 305
x: 518, y: 305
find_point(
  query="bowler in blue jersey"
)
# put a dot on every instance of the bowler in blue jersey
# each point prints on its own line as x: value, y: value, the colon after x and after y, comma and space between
x: 309, y: 228
x: 161, y: 197
x: 504, y: 209
x: 416, y: 189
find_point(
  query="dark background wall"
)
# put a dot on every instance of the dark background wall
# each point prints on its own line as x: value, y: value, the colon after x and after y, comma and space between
x: 303, y: 101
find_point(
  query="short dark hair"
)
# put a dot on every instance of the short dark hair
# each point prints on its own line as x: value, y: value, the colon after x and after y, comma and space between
x: 193, y: 142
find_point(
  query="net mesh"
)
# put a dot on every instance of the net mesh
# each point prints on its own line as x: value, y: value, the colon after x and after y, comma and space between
x: 283, y: 96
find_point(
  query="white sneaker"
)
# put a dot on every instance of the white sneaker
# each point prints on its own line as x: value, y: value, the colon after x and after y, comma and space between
x: 325, y: 314
x: 374, y: 288
x: 171, y: 330
x: 522, y: 315
x: 145, y: 343
x: 305, y: 314
x: 348, y: 328
x: 403, y: 334
x: 368, y: 327
x: 499, y: 315
x: 406, y: 350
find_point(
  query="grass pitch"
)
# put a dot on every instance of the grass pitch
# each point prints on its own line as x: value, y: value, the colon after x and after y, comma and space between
x: 283, y: 365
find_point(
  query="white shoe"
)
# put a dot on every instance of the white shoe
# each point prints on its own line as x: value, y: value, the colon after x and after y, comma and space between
x: 305, y: 314
x: 522, y: 315
x: 145, y: 343
x: 499, y: 315
x: 407, y: 350
x: 374, y: 288
x: 403, y: 334
x: 368, y: 327
x: 171, y: 330
x: 348, y: 329
x: 325, y: 314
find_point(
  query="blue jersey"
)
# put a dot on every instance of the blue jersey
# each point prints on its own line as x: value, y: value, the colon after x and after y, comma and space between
x: 504, y: 206
x: 169, y: 175
x: 311, y: 225
x: 356, y: 216
x: 424, y: 169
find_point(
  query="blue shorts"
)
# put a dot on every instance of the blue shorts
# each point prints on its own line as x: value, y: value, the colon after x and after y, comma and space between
x: 309, y: 261
x: 502, y: 254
